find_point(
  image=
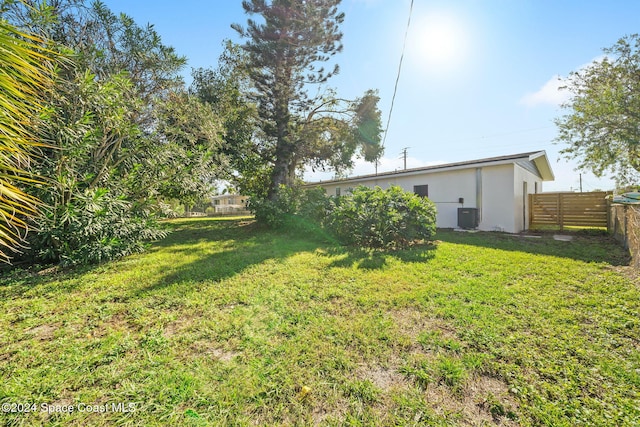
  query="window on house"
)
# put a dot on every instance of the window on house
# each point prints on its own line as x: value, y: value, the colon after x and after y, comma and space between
x: 421, y: 190
x: 338, y: 191
x: 216, y: 202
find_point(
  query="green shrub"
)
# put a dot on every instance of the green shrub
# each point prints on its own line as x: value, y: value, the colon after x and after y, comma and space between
x: 294, y: 210
x: 377, y: 218
x: 289, y: 202
x: 94, y: 226
x: 314, y: 205
x: 371, y: 218
x: 277, y: 212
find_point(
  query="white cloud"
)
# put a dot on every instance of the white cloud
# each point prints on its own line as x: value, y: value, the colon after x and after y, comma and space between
x: 549, y: 94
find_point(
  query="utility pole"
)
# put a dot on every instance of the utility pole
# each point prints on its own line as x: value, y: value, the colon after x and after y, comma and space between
x: 404, y: 156
x: 581, y: 183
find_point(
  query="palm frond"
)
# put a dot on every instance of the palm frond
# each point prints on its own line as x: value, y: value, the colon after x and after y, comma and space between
x: 25, y: 75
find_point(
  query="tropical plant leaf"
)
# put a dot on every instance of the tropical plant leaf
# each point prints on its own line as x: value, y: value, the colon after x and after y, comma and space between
x: 25, y: 74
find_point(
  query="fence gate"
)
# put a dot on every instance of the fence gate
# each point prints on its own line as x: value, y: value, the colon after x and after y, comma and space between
x: 559, y: 210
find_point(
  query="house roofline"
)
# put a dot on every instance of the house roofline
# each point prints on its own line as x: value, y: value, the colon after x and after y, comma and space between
x: 222, y: 196
x: 539, y: 158
x: 541, y: 161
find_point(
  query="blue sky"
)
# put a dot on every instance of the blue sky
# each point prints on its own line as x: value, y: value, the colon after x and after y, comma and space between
x: 479, y: 77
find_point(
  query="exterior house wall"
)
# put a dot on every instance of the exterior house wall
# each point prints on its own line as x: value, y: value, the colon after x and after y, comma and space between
x: 501, y: 200
x: 523, y: 180
x: 445, y: 190
x: 498, y: 187
x: 496, y: 212
x: 229, y: 203
x: 505, y: 191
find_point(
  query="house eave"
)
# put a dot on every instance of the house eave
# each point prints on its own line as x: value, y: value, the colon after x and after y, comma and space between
x: 539, y: 158
x: 541, y: 161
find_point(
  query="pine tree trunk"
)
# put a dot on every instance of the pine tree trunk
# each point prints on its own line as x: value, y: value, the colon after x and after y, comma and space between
x: 284, y: 167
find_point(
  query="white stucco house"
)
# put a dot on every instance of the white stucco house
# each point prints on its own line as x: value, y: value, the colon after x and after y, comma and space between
x: 489, y: 194
x: 229, y: 203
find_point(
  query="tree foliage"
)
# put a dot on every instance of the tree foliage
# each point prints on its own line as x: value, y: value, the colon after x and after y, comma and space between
x: 122, y: 134
x: 25, y: 76
x: 226, y: 90
x: 87, y: 197
x: 602, y: 125
x: 189, y: 154
x: 286, y: 51
x: 104, y: 43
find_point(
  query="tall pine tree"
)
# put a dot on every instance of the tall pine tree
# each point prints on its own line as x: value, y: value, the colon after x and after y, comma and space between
x: 286, y: 51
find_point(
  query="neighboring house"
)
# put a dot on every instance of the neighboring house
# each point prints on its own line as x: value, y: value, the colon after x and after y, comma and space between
x: 488, y: 194
x: 229, y: 204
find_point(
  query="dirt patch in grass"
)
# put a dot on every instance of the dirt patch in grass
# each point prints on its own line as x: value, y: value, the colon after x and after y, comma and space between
x: 178, y: 327
x: 223, y: 355
x: 482, y: 401
x: 172, y: 329
x: 43, y: 332
x: 328, y: 409
x: 117, y: 322
x: 415, y: 329
x: 412, y: 322
x: 478, y: 400
x: 385, y: 378
x: 321, y: 415
x: 212, y: 349
x: 629, y: 272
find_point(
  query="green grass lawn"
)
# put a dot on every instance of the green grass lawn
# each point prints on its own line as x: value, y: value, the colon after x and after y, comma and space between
x: 223, y: 323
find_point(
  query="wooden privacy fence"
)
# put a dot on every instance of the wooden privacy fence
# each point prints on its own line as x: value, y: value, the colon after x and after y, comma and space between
x: 559, y: 210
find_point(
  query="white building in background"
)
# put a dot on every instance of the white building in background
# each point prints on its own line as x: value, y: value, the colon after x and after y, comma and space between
x: 487, y: 194
x: 229, y: 204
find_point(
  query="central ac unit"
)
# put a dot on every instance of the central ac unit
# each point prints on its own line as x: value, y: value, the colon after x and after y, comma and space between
x: 468, y: 218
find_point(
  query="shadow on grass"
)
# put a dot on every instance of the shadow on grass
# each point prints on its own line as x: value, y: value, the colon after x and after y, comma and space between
x: 375, y: 260
x: 193, y: 230
x: 21, y: 278
x: 224, y: 248
x: 583, y: 246
x: 42, y: 280
x: 183, y: 236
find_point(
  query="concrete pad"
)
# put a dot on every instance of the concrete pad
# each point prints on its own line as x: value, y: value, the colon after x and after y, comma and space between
x: 562, y: 237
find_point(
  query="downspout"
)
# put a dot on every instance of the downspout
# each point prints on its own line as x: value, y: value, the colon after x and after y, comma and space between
x: 479, y: 193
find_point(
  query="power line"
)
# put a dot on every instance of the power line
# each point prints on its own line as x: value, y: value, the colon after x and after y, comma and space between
x: 395, y: 89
